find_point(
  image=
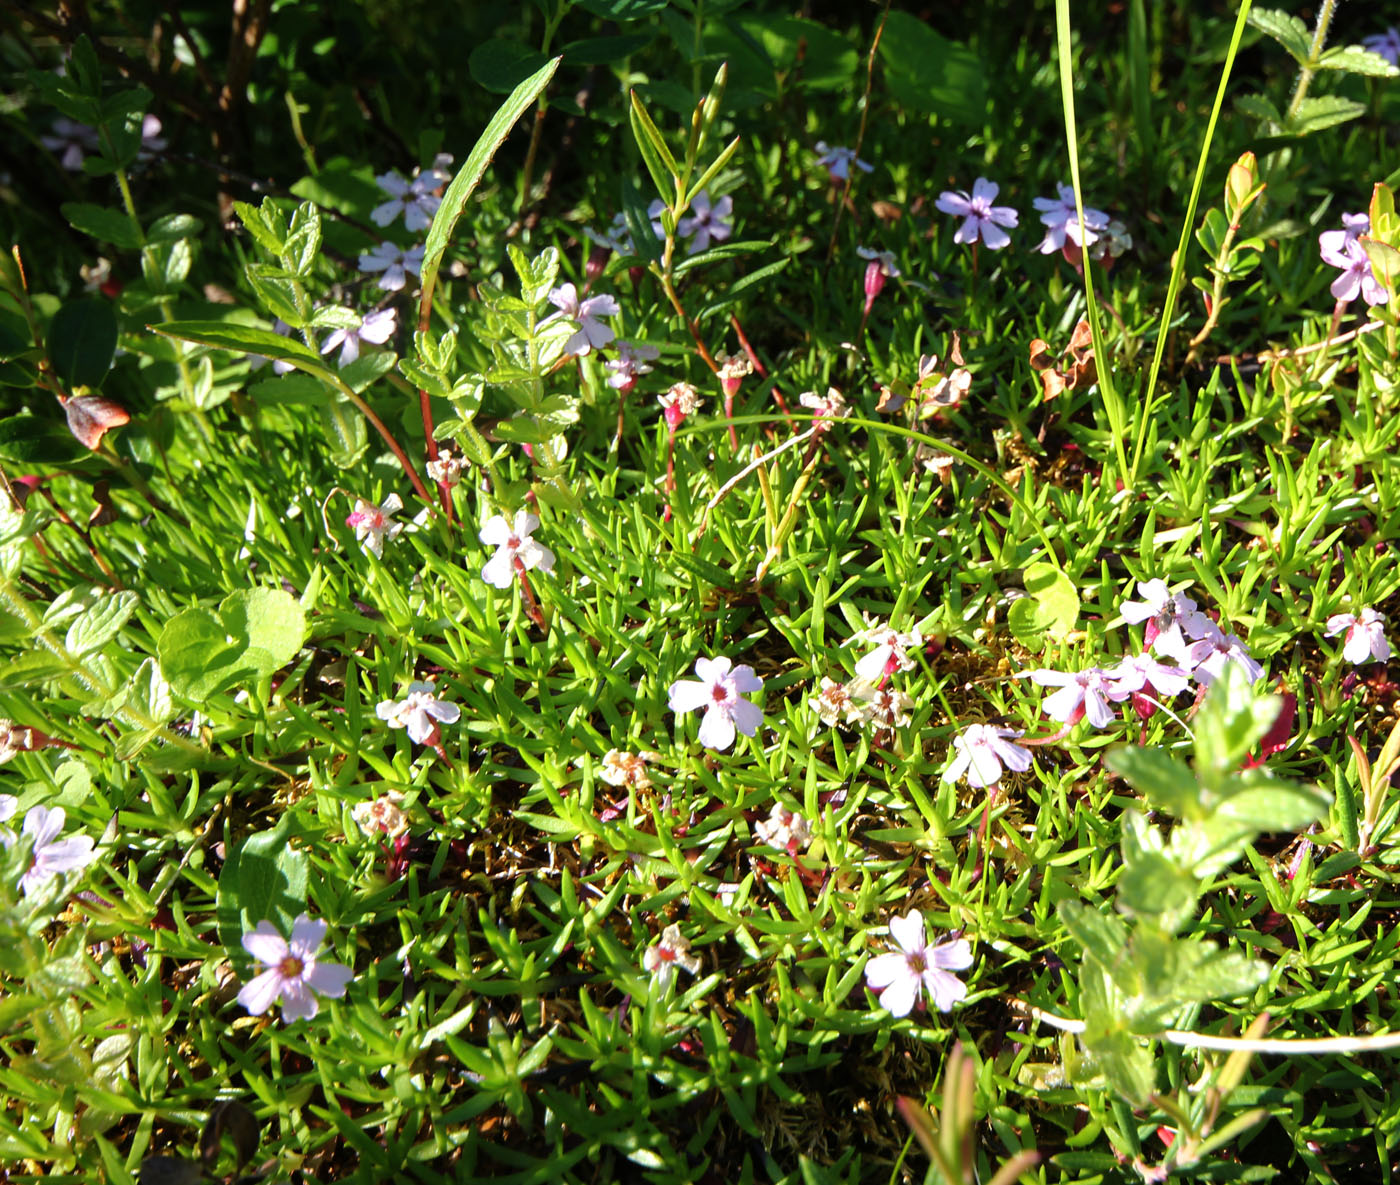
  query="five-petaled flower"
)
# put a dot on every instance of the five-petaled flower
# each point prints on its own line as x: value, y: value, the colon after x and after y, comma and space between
x: 592, y: 334
x: 48, y: 855
x: 980, y: 218
x: 1171, y: 618
x: 376, y: 328
x: 632, y: 361
x: 1386, y: 44
x: 900, y: 976
x: 394, y: 262
x: 1343, y: 249
x: 1061, y: 220
x: 670, y: 951
x: 622, y: 768
x: 718, y: 691
x: 617, y: 237
x: 415, y: 199
x: 680, y: 401
x: 383, y: 814
x: 707, y: 221
x: 294, y: 974
x: 515, y: 550
x: 891, y: 651
x: 784, y: 829
x: 1365, y: 636
x: 1209, y: 656
x: 838, y: 161
x: 1083, y: 693
x: 835, y: 704
x: 374, y: 524
x: 982, y: 750
x: 419, y: 711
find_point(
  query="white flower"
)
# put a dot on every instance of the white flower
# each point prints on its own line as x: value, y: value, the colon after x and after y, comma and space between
x: 1207, y: 657
x: 512, y: 542
x: 592, y: 334
x: 1062, y: 221
x: 49, y: 855
x: 394, y: 262
x: 670, y: 952
x: 1084, y: 693
x: 982, y: 749
x: 884, y: 259
x: 374, y: 524
x: 838, y: 161
x: 620, y: 768
x: 414, y: 199
x: 1168, y: 615
x: 1365, y: 640
x: 784, y: 829
x: 717, y: 691
x: 294, y: 973
x: 884, y: 707
x: 826, y: 408
x: 419, y: 712
x: 706, y: 222
x: 447, y: 469
x: 1113, y: 242
x: 1139, y: 672
x: 834, y: 703
x: 382, y: 814
x: 891, y: 651
x: 900, y: 976
x: 377, y: 328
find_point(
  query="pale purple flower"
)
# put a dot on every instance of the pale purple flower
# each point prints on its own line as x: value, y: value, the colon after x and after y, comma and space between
x: 414, y: 199
x: 279, y: 365
x: 1365, y: 640
x: 882, y: 260
x: 1343, y: 249
x: 1061, y: 220
x: 377, y: 328
x: 654, y: 212
x: 420, y: 711
x: 1208, y: 656
x: 630, y: 363
x: 982, y: 750
x: 592, y: 334
x: 294, y: 974
x: 670, y: 951
x: 901, y: 976
x: 49, y: 855
x: 394, y: 262
x: 706, y: 221
x: 71, y: 142
x: 1141, y: 672
x: 617, y: 237
x: 1084, y: 693
x: 151, y: 140
x: 1386, y: 44
x: 838, y: 161
x: 512, y: 542
x: 1168, y: 615
x: 784, y: 829
x: 891, y: 651
x: 374, y: 524
x: 717, y: 691
x: 980, y: 218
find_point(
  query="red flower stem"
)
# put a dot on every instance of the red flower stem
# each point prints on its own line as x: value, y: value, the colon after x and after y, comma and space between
x: 758, y: 367
x: 532, y: 606
x: 729, y: 415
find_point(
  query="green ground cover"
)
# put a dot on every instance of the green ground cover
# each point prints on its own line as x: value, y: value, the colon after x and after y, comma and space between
x: 685, y: 590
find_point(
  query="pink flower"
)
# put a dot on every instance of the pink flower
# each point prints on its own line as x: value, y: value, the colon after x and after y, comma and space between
x: 630, y: 363
x: 374, y: 524
x: 419, y: 712
x: 980, y: 217
x: 880, y: 268
x: 1365, y: 640
x: 1082, y: 694
x: 513, y: 543
x: 1141, y: 672
x: 49, y: 855
x: 1208, y: 657
x: 900, y: 976
x: 1343, y: 249
x: 838, y: 161
x: 592, y: 334
x: 717, y: 691
x: 377, y: 328
x: 706, y: 222
x: 680, y: 401
x: 293, y: 972
x: 982, y: 749
x: 670, y: 952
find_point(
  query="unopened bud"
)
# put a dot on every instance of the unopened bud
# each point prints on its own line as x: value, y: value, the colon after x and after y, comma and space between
x: 1241, y: 185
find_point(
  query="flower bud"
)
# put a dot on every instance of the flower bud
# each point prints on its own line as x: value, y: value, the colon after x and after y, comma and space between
x: 1241, y: 185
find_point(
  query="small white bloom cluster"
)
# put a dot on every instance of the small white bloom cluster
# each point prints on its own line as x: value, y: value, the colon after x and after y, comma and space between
x: 869, y: 698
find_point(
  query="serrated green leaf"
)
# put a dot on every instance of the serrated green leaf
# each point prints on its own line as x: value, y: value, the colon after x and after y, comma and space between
x: 96, y: 626
x: 102, y: 223
x: 1323, y: 111
x: 1285, y: 28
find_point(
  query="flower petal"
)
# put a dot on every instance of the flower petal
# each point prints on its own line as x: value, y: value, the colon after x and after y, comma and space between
x: 883, y: 970
x: 261, y: 992
x: 717, y: 728
x: 908, y: 931
x: 688, y: 694
x: 898, y: 999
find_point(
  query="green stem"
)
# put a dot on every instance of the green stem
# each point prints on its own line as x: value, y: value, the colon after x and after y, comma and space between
x: 1309, y: 68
